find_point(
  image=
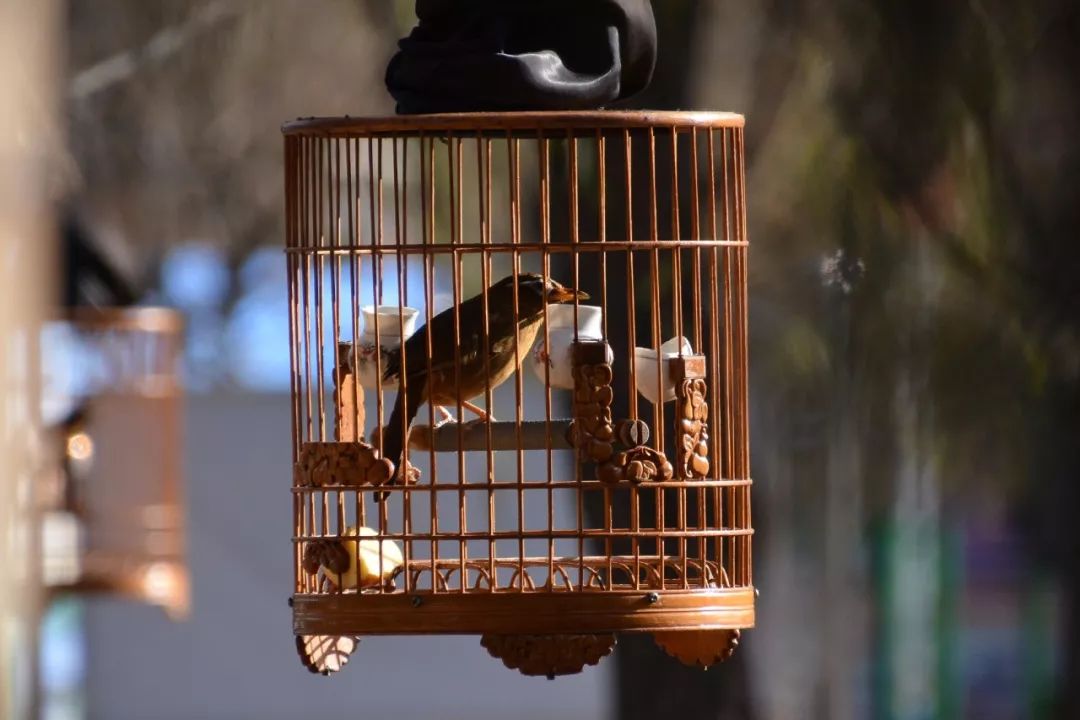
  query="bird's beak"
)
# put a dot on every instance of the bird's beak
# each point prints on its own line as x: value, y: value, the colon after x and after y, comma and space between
x: 561, y: 294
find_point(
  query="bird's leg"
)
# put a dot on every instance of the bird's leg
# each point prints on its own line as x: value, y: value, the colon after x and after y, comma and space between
x: 481, y: 414
x: 445, y: 416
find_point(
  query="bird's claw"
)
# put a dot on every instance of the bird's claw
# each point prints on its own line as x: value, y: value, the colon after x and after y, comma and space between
x: 477, y: 421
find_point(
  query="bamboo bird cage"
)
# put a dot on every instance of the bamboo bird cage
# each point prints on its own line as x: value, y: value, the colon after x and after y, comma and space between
x: 604, y: 487
x: 114, y: 515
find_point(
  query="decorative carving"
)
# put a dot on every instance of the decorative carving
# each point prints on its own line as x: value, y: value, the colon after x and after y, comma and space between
x: 594, y: 432
x: 330, y: 554
x: 637, y: 465
x: 324, y: 654
x: 615, y: 572
x: 692, y: 411
x: 702, y: 648
x: 548, y: 655
x: 346, y: 463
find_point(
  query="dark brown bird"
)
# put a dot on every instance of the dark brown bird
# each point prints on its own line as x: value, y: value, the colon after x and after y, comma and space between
x: 473, y: 373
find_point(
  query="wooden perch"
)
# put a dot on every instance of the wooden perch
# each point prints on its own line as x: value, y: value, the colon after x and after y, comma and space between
x: 348, y: 398
x: 504, y: 436
x: 534, y: 434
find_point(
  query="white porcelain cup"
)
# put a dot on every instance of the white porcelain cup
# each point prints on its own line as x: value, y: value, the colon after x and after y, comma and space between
x: 645, y: 365
x: 391, y: 318
x: 560, y: 331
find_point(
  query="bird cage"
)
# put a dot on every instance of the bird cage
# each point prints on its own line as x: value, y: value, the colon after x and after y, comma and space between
x: 113, y: 517
x: 519, y: 383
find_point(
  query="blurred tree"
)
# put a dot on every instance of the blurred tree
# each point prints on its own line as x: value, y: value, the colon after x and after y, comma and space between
x: 174, y: 109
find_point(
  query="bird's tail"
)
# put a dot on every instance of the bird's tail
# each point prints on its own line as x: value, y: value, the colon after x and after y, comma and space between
x: 407, y: 404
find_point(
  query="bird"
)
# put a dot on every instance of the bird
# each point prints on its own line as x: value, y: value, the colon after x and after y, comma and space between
x: 480, y: 363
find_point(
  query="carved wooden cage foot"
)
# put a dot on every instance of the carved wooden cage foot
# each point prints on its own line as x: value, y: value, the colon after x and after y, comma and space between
x: 549, y: 655
x: 699, y: 648
x: 518, y: 350
x: 545, y: 655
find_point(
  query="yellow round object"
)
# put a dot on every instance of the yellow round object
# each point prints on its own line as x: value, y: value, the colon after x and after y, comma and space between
x: 366, y: 555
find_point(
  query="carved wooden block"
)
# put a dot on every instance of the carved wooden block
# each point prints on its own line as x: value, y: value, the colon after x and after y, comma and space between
x: 346, y: 463
x: 348, y: 398
x: 637, y: 465
x: 594, y: 431
x: 549, y: 655
x: 692, y: 413
x: 330, y: 554
x: 324, y: 654
x: 702, y: 648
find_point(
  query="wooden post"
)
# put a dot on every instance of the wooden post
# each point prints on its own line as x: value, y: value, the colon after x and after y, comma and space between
x: 692, y: 412
x: 593, y: 395
x: 348, y: 398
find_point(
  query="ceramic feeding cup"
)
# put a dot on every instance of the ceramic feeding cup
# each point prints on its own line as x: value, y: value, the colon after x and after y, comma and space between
x: 645, y: 361
x: 392, y: 320
x: 560, y: 333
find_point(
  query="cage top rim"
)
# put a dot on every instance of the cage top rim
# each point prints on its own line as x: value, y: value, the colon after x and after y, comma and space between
x: 580, y: 121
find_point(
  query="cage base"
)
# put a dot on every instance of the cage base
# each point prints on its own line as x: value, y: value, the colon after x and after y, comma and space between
x: 522, y: 613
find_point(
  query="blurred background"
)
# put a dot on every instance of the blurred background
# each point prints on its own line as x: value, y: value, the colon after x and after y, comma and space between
x: 914, y: 192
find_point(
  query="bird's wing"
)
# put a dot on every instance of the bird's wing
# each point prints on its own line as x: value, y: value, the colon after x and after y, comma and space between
x: 445, y: 351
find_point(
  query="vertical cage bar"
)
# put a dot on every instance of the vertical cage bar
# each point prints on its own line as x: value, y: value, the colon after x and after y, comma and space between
x: 601, y: 222
x: 719, y: 422
x: 575, y: 238
x: 401, y: 191
x: 483, y: 172
x: 376, y: 281
x: 326, y: 230
x: 305, y: 262
x: 657, y: 326
x: 677, y: 304
x: 429, y: 293
x: 335, y: 291
x: 513, y: 153
x: 320, y: 237
x: 697, y: 302
x: 631, y: 321
x: 731, y: 471
x: 378, y: 185
x: 744, y: 395
x: 311, y: 213
x: 463, y: 524
x: 545, y: 239
x: 355, y: 271
x: 453, y: 183
x: 293, y: 181
x: 399, y: 266
x: 485, y: 198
